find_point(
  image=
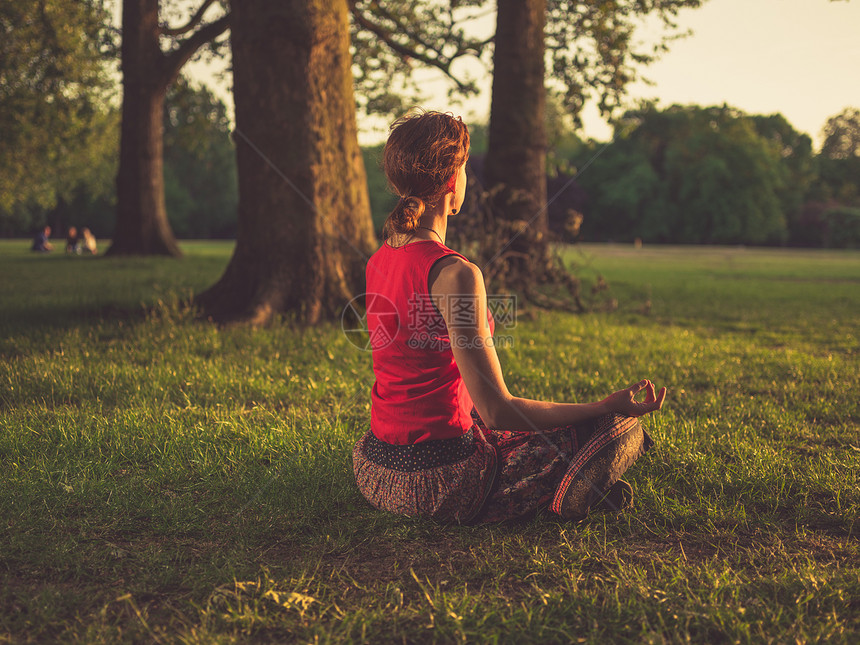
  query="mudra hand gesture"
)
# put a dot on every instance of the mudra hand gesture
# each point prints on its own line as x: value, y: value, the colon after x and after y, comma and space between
x: 624, y: 401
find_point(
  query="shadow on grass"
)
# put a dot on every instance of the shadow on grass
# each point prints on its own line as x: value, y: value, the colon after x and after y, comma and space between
x: 56, y: 291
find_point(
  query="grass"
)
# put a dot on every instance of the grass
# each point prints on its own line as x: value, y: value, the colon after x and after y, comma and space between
x: 164, y: 480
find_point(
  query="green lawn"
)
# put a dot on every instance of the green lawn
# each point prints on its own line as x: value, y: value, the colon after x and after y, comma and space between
x: 164, y: 480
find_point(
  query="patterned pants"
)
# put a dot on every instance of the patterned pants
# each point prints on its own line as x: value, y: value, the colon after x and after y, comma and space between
x: 534, y: 467
x: 492, y: 476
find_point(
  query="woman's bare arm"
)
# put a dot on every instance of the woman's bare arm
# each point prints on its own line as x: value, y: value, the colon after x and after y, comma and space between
x: 458, y: 286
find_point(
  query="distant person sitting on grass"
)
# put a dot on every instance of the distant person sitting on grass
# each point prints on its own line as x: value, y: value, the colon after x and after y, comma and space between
x: 73, y: 242
x: 89, y: 241
x: 40, y: 241
x: 447, y: 440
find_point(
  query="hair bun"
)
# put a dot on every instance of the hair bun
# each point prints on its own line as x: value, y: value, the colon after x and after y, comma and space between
x: 411, y: 210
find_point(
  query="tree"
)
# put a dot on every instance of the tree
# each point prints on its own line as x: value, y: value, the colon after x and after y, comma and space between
x: 839, y: 161
x: 516, y: 158
x: 593, y: 52
x: 623, y: 191
x: 91, y: 200
x: 147, y: 71
x: 304, y: 229
x: 798, y: 161
x: 54, y: 89
x: 842, y: 135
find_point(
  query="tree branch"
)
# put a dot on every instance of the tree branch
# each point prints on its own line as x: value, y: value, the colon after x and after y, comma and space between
x: 174, y: 61
x: 404, y: 50
x: 405, y: 29
x: 164, y: 30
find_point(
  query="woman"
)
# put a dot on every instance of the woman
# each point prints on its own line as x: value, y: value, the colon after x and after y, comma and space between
x: 447, y: 439
x: 90, y: 244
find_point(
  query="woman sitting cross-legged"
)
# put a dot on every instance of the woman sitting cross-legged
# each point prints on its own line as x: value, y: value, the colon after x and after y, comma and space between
x: 447, y: 440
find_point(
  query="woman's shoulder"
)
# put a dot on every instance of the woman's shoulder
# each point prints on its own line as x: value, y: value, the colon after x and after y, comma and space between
x: 454, y: 274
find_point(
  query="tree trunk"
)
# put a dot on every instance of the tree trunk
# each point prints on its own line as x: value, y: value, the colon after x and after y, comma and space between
x: 141, y: 225
x: 516, y: 157
x: 304, y: 231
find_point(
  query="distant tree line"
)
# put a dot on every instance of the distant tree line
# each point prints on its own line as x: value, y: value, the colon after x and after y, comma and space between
x: 692, y: 175
x: 685, y: 174
x: 714, y: 175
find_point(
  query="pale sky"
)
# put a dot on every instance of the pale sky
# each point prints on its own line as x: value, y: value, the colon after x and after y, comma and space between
x: 797, y: 57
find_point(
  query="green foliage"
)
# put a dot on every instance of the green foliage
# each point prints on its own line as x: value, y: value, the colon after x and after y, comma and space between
x: 797, y: 160
x: 560, y: 126
x: 592, y: 48
x: 842, y: 226
x: 389, y: 40
x: 59, y: 132
x: 688, y: 174
x: 842, y: 135
x: 199, y: 172
x: 201, y: 185
x: 167, y: 480
x: 838, y: 180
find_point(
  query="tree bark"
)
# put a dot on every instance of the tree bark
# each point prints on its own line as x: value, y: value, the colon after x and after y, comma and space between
x: 516, y: 157
x: 304, y: 231
x: 142, y: 227
x: 141, y: 222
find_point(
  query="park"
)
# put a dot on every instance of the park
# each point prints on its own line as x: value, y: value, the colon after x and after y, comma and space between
x: 179, y: 410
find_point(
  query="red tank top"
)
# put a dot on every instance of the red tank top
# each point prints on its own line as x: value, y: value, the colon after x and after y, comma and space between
x: 419, y: 393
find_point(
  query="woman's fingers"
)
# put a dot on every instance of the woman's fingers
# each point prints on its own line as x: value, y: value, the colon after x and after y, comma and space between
x: 653, y: 399
x: 649, y: 394
x: 638, y: 387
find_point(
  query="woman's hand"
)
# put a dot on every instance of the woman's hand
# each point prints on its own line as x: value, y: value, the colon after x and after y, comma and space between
x: 624, y: 401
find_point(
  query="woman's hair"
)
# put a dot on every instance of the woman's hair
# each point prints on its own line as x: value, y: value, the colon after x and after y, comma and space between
x: 423, y: 151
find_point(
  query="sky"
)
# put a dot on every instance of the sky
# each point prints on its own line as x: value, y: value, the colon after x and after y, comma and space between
x: 797, y: 57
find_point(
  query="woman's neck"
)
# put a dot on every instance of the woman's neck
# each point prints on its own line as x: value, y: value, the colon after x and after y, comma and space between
x: 432, y: 228
x: 433, y: 225
x: 436, y: 220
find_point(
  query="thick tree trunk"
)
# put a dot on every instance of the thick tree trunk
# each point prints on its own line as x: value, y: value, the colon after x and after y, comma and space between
x: 141, y: 225
x: 516, y: 157
x: 304, y: 232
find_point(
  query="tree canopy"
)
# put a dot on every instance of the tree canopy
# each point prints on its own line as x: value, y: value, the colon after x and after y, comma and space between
x: 842, y: 135
x: 839, y: 162
x: 684, y: 174
x: 591, y: 50
x: 688, y: 174
x: 56, y: 120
